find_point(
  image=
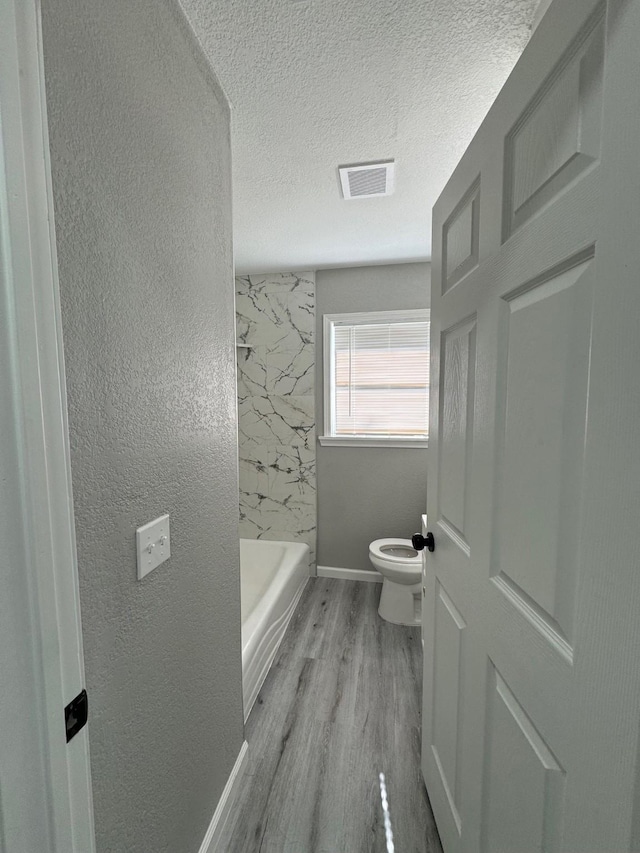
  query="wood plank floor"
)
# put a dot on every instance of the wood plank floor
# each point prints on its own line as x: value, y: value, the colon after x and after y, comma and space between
x: 340, y: 705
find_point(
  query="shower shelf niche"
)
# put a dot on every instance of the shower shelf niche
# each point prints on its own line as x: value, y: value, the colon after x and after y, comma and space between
x: 244, y: 346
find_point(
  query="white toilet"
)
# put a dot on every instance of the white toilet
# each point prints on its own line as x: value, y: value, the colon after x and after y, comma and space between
x: 401, y: 567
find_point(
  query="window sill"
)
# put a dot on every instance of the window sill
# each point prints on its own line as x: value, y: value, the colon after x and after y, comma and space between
x: 364, y: 441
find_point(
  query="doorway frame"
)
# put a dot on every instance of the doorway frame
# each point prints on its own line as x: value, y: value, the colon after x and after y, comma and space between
x: 34, y: 392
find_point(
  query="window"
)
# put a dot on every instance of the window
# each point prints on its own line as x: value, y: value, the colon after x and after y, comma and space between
x: 376, y: 379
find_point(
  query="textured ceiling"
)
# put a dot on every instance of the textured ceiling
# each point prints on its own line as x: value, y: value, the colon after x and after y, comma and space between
x: 316, y: 84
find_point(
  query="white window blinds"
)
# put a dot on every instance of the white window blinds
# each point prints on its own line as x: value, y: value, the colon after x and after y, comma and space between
x: 380, y: 378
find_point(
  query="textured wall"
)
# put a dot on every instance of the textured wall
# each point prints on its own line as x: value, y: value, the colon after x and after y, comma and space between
x: 142, y: 185
x: 367, y: 493
x: 276, y: 316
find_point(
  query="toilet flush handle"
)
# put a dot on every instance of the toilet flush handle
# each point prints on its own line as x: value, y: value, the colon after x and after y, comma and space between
x: 419, y: 541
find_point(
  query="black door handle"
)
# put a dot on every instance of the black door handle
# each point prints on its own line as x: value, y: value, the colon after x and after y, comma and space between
x: 419, y: 541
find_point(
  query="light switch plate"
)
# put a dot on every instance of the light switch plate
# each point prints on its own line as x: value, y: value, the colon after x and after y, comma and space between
x: 153, y: 545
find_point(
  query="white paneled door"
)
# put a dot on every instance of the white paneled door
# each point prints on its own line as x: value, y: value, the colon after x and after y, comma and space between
x: 532, y: 607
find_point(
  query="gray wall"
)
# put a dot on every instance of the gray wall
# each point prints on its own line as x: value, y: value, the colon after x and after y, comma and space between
x: 366, y: 493
x: 142, y: 185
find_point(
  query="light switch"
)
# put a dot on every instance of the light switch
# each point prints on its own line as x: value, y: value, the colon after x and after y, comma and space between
x: 153, y: 545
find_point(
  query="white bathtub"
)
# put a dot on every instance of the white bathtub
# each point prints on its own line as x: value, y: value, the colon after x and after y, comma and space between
x: 273, y: 575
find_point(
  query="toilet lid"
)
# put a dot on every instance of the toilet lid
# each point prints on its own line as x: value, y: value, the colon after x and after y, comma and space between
x: 399, y: 551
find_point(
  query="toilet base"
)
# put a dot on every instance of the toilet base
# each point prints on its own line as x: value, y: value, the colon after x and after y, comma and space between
x: 400, y: 603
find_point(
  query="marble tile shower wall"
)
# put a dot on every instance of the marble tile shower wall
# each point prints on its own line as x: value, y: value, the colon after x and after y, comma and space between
x: 276, y: 407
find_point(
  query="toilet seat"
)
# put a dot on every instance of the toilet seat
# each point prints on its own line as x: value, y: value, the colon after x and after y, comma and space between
x: 379, y: 547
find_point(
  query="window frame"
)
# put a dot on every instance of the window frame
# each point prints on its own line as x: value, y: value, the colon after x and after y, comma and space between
x: 329, y: 322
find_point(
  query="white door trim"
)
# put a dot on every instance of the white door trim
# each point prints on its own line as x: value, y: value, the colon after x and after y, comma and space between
x: 34, y: 393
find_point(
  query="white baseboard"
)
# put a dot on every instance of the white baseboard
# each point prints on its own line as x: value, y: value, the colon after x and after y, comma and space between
x: 350, y: 574
x: 211, y: 841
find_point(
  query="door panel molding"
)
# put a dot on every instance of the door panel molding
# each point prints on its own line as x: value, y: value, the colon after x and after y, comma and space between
x: 524, y: 784
x: 457, y: 400
x: 461, y: 238
x: 557, y: 136
x: 540, y: 426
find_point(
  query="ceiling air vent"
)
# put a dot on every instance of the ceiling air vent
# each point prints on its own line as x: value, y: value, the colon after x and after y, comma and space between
x: 367, y: 180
